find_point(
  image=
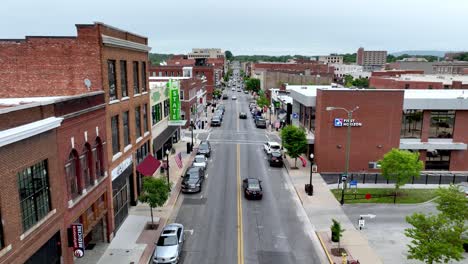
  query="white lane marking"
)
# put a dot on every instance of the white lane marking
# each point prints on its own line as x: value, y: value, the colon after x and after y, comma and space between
x: 208, y: 138
x: 189, y: 231
x: 206, y: 176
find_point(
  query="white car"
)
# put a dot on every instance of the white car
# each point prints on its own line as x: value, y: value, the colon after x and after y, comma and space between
x: 169, y: 245
x: 233, y: 89
x: 271, y: 146
x: 234, y: 97
x: 200, y: 161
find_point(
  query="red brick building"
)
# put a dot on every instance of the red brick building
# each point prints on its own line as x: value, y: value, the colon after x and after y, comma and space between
x: 99, y: 58
x: 386, y: 80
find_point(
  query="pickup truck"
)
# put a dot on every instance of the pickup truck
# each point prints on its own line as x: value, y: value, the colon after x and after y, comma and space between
x: 271, y: 146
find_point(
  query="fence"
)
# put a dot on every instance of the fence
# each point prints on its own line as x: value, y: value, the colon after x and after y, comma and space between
x: 424, y: 178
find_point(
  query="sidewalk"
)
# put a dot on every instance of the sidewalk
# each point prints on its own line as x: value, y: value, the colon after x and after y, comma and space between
x: 134, y: 244
x: 321, y: 208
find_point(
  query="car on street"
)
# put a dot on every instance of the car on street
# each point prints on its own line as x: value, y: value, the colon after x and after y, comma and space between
x: 275, y: 158
x: 169, y: 245
x: 193, y: 179
x: 252, y: 188
x: 246, y: 92
x: 239, y: 90
x: 221, y: 107
x: 225, y: 97
x: 271, y: 146
x: 234, y: 97
x: 233, y: 89
x: 219, y: 113
x: 215, y: 121
x: 204, y: 148
x: 260, y: 123
x: 200, y: 161
x: 243, y: 115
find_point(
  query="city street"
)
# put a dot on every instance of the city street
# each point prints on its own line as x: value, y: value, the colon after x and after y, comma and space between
x: 222, y: 226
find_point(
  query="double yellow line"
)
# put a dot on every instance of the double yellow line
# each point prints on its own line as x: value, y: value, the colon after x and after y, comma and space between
x: 240, y: 241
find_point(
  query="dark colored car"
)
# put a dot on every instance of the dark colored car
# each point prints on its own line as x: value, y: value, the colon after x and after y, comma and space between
x: 260, y: 122
x: 242, y: 115
x: 204, y: 148
x: 225, y: 97
x: 275, y: 159
x: 215, y: 121
x: 252, y: 188
x: 193, y: 180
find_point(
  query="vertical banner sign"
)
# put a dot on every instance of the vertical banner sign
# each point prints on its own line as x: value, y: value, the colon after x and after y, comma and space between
x: 174, y: 103
x: 76, y: 239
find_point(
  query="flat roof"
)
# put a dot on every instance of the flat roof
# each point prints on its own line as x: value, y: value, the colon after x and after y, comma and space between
x: 445, y: 79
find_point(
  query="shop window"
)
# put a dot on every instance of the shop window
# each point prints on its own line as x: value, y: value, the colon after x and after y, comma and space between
x: 111, y: 78
x: 126, y: 129
x: 143, y: 76
x: 156, y: 113
x: 181, y: 95
x: 73, y: 177
x: 33, y: 188
x: 145, y: 117
x: 411, y: 124
x: 442, y: 123
x: 137, y: 122
x: 136, y: 78
x: 85, y: 160
x: 2, y: 239
x: 438, y: 160
x: 98, y: 156
x: 123, y: 78
x: 312, y: 119
x: 115, y: 134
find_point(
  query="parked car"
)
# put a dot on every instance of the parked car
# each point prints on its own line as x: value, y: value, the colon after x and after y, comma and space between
x: 234, y: 97
x: 252, y: 188
x: 215, y: 121
x: 219, y: 113
x: 233, y: 89
x: 169, y: 245
x: 222, y: 108
x: 225, y: 97
x: 193, y: 180
x: 243, y: 115
x: 204, y: 148
x: 200, y: 161
x: 271, y: 146
x: 260, y: 122
x: 275, y: 158
x: 246, y: 92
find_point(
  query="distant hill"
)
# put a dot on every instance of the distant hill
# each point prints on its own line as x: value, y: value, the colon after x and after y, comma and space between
x: 437, y: 53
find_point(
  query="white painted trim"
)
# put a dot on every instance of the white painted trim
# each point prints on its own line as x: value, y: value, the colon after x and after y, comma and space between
x: 116, y: 156
x: 5, y: 250
x: 139, y: 139
x: 433, y: 144
x: 72, y: 140
x: 86, y: 136
x: 114, y: 101
x: 127, y: 147
x: 144, y: 92
x: 19, y: 133
x: 146, y: 133
x: 38, y: 224
x: 124, y: 44
x: 97, y: 131
x: 135, y: 95
x: 125, y: 98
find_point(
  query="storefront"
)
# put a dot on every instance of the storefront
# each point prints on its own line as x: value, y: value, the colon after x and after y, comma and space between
x: 122, y: 191
x: 164, y: 141
x: 49, y: 253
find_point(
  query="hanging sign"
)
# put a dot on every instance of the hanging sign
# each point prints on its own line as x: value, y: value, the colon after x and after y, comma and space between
x: 174, y: 104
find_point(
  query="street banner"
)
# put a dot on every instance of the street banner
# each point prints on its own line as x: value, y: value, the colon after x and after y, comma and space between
x: 76, y: 239
x: 174, y: 104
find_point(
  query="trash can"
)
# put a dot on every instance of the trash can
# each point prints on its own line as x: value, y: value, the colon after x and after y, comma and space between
x: 188, y: 148
x: 309, y: 189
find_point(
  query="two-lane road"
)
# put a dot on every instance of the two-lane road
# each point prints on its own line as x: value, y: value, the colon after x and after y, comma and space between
x: 224, y: 227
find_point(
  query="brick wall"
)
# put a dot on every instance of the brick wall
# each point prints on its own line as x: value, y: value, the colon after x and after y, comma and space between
x: 459, y: 158
x: 389, y: 83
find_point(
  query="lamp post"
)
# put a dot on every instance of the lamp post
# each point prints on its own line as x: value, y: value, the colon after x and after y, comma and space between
x: 191, y: 127
x: 348, y: 145
x: 167, y: 168
x: 311, y: 188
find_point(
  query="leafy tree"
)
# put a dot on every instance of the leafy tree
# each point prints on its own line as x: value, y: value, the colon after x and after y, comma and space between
x: 337, y: 232
x: 400, y: 166
x: 263, y: 101
x: 452, y: 203
x: 348, y: 80
x: 157, y: 58
x: 155, y: 192
x: 252, y: 84
x: 228, y: 54
x: 462, y: 56
x: 361, y: 82
x: 295, y: 141
x: 227, y: 75
x: 434, y: 238
x: 217, y: 93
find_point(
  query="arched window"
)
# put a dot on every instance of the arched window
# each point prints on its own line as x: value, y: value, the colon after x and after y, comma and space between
x: 72, y: 169
x: 85, y: 160
x: 98, y: 158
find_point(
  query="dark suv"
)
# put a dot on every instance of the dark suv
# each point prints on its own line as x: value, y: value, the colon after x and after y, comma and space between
x: 275, y: 159
x: 204, y: 148
x: 260, y: 122
x: 193, y: 180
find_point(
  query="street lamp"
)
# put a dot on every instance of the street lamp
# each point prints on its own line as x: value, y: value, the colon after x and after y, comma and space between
x: 167, y: 168
x: 191, y: 126
x: 311, y: 188
x: 348, y: 145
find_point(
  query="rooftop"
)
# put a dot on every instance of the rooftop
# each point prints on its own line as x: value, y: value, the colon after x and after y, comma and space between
x: 445, y: 79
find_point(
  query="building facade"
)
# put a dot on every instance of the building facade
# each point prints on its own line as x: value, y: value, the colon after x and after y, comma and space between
x: 331, y: 59
x: 450, y: 67
x: 206, y: 53
x: 395, y: 80
x: 371, y: 59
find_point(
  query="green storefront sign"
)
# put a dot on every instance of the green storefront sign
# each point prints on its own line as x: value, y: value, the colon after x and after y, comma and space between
x: 174, y: 104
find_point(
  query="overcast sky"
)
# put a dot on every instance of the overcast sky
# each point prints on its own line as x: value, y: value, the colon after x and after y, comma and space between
x: 271, y: 27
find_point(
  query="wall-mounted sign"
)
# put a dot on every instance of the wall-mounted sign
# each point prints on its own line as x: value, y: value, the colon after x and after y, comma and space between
x: 174, y: 104
x: 122, y: 166
x: 343, y: 122
x: 76, y: 239
x: 295, y: 115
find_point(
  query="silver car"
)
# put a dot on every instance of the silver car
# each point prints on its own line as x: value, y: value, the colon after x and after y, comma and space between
x: 200, y: 161
x: 169, y: 245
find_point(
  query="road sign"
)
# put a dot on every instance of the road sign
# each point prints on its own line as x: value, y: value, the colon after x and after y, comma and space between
x: 295, y: 115
x: 361, y: 223
x: 353, y: 183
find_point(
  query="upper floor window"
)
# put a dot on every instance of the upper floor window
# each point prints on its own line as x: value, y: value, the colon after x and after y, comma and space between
x: 33, y: 188
x: 181, y: 95
x: 160, y: 74
x: 136, y: 78
x: 2, y: 240
x: 85, y: 161
x: 126, y: 129
x: 143, y: 76
x: 137, y: 122
x: 72, y: 169
x: 411, y: 124
x: 156, y: 113
x: 111, y: 77
x: 123, y: 78
x: 166, y: 107
x: 145, y: 117
x: 98, y: 158
x: 442, y: 122
x: 115, y: 134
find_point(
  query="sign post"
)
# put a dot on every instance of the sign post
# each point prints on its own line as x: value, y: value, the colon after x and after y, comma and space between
x: 361, y: 223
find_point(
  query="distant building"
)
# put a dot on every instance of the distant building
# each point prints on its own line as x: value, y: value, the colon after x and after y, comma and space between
x: 206, y: 54
x: 419, y: 81
x: 450, y: 67
x: 450, y: 56
x: 331, y: 59
x: 356, y: 71
x: 425, y: 66
x: 371, y: 59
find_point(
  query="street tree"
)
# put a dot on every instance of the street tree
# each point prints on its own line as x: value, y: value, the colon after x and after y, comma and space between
x: 400, y: 166
x: 452, y: 203
x: 263, y: 101
x: 434, y: 238
x: 228, y: 55
x: 155, y: 192
x: 252, y: 84
x: 217, y: 93
x: 294, y: 141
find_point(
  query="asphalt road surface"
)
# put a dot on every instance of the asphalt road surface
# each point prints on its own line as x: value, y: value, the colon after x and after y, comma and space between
x: 222, y: 226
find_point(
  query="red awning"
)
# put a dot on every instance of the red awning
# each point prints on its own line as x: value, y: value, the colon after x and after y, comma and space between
x: 148, y: 166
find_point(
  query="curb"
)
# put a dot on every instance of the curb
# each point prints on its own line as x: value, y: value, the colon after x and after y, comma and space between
x: 324, y: 248
x: 295, y: 189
